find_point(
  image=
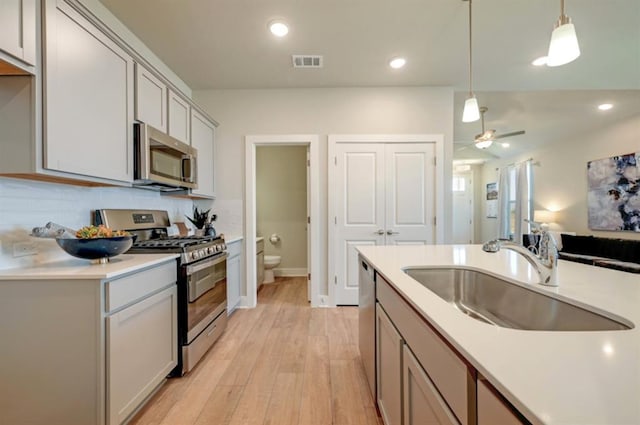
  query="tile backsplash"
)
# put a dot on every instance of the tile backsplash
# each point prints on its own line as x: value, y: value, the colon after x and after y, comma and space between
x: 26, y: 204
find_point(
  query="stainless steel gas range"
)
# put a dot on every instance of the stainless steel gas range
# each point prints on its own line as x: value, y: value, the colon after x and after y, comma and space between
x: 202, y: 278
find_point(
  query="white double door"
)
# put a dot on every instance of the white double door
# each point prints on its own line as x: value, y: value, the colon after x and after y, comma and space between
x: 385, y: 195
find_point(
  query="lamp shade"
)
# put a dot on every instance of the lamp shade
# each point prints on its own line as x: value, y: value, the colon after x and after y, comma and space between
x: 563, y: 47
x: 471, y: 110
x: 544, y: 216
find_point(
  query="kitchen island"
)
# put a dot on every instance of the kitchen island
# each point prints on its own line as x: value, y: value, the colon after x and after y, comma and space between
x: 549, y: 377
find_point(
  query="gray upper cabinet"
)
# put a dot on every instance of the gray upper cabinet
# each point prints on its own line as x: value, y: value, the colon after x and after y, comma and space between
x: 151, y: 99
x: 179, y: 117
x: 18, y: 29
x: 88, y: 111
x: 202, y: 138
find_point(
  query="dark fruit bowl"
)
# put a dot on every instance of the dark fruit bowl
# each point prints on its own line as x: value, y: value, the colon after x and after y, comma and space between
x: 96, y: 249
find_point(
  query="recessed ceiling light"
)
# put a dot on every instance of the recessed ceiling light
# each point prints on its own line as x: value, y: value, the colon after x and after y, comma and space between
x: 605, y: 106
x: 505, y: 144
x: 542, y: 60
x: 397, y: 63
x: 278, y: 28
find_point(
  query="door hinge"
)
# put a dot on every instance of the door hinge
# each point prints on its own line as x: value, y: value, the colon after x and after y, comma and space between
x: 308, y: 220
x: 335, y: 220
x: 309, y: 276
x: 335, y: 280
x: 434, y: 221
x: 435, y: 160
x: 308, y: 163
x: 335, y: 160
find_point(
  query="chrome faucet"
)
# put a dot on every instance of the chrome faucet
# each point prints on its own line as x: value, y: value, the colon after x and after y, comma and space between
x: 545, y: 263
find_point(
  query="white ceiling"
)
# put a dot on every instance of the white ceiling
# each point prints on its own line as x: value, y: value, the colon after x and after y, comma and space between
x: 225, y: 44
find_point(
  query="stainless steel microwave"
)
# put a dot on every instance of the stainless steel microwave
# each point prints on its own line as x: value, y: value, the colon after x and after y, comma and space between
x: 162, y: 162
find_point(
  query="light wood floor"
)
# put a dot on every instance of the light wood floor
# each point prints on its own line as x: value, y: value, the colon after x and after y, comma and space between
x: 280, y: 363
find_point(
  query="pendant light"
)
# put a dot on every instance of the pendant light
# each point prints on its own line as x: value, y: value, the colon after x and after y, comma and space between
x: 563, y: 47
x: 471, y: 110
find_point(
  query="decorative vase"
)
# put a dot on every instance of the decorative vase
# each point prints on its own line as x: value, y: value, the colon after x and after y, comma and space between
x: 199, y: 232
x: 209, y: 230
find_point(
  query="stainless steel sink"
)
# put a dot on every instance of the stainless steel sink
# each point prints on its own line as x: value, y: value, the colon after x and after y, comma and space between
x: 501, y: 303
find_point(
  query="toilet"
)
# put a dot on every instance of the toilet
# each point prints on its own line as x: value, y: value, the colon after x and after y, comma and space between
x: 270, y: 263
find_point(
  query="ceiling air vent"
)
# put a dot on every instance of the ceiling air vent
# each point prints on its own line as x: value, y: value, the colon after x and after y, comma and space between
x: 307, y: 61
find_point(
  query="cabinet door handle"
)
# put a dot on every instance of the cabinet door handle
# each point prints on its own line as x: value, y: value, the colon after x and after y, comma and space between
x: 212, y: 330
x: 379, y: 232
x: 391, y: 232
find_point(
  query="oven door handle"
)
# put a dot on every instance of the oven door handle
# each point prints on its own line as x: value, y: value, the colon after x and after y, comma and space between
x: 209, y: 263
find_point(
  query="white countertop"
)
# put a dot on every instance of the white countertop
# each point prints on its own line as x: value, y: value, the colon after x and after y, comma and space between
x: 76, y: 268
x: 551, y: 377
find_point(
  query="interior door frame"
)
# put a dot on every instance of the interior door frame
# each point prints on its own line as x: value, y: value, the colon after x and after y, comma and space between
x: 333, y: 140
x: 312, y: 141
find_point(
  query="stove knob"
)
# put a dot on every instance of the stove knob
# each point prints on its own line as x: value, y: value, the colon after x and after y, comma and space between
x: 194, y: 255
x: 211, y: 250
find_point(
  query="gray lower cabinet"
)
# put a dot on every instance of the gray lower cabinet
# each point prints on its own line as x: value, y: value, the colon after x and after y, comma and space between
x: 141, y: 351
x: 389, y: 345
x: 423, y: 404
x: 234, y: 274
x: 85, y: 351
x: 421, y: 379
x: 419, y: 374
x: 492, y: 409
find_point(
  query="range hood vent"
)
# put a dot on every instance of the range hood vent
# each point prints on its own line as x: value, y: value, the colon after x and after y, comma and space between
x: 307, y: 61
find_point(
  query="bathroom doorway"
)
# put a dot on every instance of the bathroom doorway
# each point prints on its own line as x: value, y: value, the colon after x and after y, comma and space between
x: 281, y: 209
x: 282, y: 206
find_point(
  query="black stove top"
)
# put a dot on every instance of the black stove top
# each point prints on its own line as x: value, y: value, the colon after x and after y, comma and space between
x: 175, y: 242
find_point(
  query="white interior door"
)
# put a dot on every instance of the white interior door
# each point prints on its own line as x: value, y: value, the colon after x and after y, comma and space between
x: 360, y: 209
x: 410, y: 193
x: 462, y: 200
x: 385, y: 194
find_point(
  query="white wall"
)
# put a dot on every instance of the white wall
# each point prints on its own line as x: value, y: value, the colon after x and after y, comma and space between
x: 560, y: 179
x: 27, y: 204
x: 386, y: 110
x: 109, y: 19
x: 281, y: 204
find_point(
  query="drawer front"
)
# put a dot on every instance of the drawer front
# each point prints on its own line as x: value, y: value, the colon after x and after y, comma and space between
x: 234, y: 248
x: 126, y: 290
x: 449, y: 373
x: 193, y: 352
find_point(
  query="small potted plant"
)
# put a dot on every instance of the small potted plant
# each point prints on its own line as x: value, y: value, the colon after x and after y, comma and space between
x: 200, y: 219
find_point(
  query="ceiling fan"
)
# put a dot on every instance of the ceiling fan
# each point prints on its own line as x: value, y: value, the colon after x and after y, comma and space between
x: 487, y: 137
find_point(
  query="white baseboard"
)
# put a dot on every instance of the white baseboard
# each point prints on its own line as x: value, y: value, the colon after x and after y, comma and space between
x: 290, y: 272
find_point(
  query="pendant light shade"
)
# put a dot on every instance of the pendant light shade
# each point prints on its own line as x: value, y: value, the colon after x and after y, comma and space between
x: 563, y: 47
x: 471, y: 110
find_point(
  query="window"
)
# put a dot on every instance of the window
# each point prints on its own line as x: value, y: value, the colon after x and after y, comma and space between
x: 459, y: 184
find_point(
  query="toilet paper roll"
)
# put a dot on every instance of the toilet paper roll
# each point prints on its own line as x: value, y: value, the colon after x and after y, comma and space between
x: 274, y: 239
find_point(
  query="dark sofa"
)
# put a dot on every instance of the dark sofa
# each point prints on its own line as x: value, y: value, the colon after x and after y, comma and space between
x: 619, y: 254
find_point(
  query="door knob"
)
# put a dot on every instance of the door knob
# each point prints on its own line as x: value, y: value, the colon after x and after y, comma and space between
x: 390, y: 232
x: 379, y: 232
